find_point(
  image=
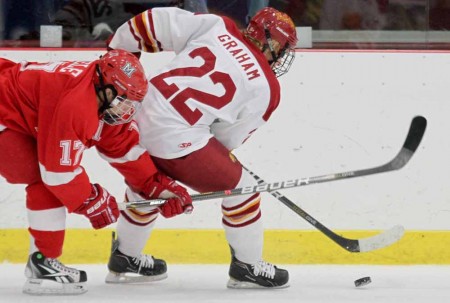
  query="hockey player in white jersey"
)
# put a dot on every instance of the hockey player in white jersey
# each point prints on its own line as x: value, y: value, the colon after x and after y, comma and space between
x: 220, y: 87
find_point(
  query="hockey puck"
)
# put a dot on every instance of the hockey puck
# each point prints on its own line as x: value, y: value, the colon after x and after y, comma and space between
x: 362, y: 281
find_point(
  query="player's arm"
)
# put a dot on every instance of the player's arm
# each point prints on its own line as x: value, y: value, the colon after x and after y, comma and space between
x: 121, y: 149
x: 233, y: 135
x: 160, y: 29
x: 60, y: 150
x: 256, y: 112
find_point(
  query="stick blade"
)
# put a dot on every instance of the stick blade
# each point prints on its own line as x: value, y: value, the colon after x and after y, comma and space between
x: 382, y: 240
x: 412, y: 141
x: 415, y: 133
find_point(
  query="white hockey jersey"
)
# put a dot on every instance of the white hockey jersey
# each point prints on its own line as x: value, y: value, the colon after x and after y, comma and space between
x: 218, y: 84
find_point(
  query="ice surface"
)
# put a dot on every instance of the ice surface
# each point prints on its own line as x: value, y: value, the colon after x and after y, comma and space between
x: 206, y: 283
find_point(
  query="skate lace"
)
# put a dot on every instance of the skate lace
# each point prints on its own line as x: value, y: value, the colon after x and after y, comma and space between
x: 61, y: 267
x: 144, y: 261
x: 264, y: 269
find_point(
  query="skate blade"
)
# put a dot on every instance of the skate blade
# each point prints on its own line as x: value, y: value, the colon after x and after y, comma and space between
x: 42, y: 287
x: 235, y: 284
x: 130, y: 278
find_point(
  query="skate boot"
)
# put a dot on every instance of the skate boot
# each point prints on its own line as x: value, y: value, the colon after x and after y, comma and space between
x: 47, y: 276
x: 126, y: 269
x: 259, y: 275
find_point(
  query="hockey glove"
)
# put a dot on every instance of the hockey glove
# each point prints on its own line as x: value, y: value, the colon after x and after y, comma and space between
x: 178, y: 199
x: 100, y: 208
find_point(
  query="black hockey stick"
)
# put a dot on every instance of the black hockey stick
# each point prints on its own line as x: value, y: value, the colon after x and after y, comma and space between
x: 415, y: 134
x: 378, y: 241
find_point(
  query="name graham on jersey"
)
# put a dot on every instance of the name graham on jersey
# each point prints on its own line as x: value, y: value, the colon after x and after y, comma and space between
x: 274, y: 186
x: 250, y: 67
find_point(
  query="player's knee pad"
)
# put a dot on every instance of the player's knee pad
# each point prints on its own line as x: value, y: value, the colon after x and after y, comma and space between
x: 242, y: 210
x: 142, y: 216
x: 40, y: 198
x: 245, y: 180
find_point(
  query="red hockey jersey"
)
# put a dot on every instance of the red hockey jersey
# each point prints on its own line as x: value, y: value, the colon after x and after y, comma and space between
x: 56, y: 103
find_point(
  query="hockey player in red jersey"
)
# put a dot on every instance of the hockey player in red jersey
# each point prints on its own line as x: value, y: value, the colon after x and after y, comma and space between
x: 49, y: 114
x: 220, y: 87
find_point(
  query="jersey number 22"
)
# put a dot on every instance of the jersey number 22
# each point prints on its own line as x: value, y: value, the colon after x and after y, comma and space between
x: 181, y: 96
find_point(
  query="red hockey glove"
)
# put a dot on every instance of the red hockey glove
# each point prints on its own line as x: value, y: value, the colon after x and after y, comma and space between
x: 178, y: 199
x: 100, y: 208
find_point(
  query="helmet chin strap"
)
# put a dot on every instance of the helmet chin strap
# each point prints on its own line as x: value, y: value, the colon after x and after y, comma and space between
x: 105, y: 105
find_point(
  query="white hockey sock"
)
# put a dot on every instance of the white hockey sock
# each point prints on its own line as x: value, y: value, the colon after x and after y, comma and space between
x: 247, y: 241
x: 242, y: 223
x: 132, y: 238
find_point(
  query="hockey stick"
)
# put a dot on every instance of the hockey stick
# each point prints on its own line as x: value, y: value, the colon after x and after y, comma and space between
x: 378, y: 241
x: 415, y: 134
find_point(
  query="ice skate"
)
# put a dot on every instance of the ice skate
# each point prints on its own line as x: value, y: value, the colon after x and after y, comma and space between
x: 47, y: 276
x: 126, y: 269
x: 258, y: 275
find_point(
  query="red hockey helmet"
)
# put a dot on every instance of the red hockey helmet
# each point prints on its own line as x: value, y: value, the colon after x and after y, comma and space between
x: 122, y: 72
x: 270, y: 24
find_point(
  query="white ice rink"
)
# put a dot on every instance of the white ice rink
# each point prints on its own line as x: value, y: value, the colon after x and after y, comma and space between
x: 206, y: 283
